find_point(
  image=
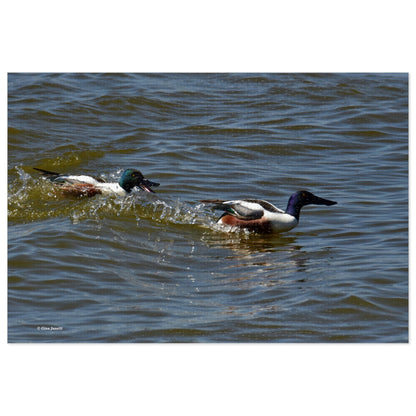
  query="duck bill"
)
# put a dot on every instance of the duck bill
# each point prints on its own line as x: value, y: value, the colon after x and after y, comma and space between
x: 146, y: 185
x: 322, y: 201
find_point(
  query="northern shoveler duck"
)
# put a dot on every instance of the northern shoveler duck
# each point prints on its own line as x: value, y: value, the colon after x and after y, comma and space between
x: 262, y: 216
x: 84, y: 185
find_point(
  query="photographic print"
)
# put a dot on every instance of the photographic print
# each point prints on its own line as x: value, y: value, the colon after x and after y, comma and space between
x: 208, y: 208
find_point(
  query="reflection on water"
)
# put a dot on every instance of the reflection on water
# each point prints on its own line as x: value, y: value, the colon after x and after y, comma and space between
x: 244, y: 242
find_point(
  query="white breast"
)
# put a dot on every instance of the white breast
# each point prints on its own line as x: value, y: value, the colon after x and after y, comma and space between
x: 281, y: 221
x: 111, y: 188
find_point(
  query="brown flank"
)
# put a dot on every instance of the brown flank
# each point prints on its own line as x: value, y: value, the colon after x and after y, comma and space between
x: 260, y: 225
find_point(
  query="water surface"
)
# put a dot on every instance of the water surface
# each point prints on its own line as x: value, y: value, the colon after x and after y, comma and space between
x: 156, y: 267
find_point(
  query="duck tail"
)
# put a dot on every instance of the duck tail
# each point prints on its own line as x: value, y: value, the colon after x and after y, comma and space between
x: 48, y: 173
x: 217, y: 203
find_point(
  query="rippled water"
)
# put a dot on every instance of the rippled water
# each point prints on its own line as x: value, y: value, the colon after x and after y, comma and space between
x: 156, y: 267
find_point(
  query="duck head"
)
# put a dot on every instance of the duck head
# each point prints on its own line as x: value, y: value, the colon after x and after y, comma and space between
x: 132, y: 178
x: 301, y: 198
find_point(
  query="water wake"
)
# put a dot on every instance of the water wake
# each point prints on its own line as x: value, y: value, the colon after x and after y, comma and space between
x: 32, y: 198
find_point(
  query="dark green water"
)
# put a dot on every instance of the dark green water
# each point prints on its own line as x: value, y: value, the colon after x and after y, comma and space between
x: 156, y: 268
